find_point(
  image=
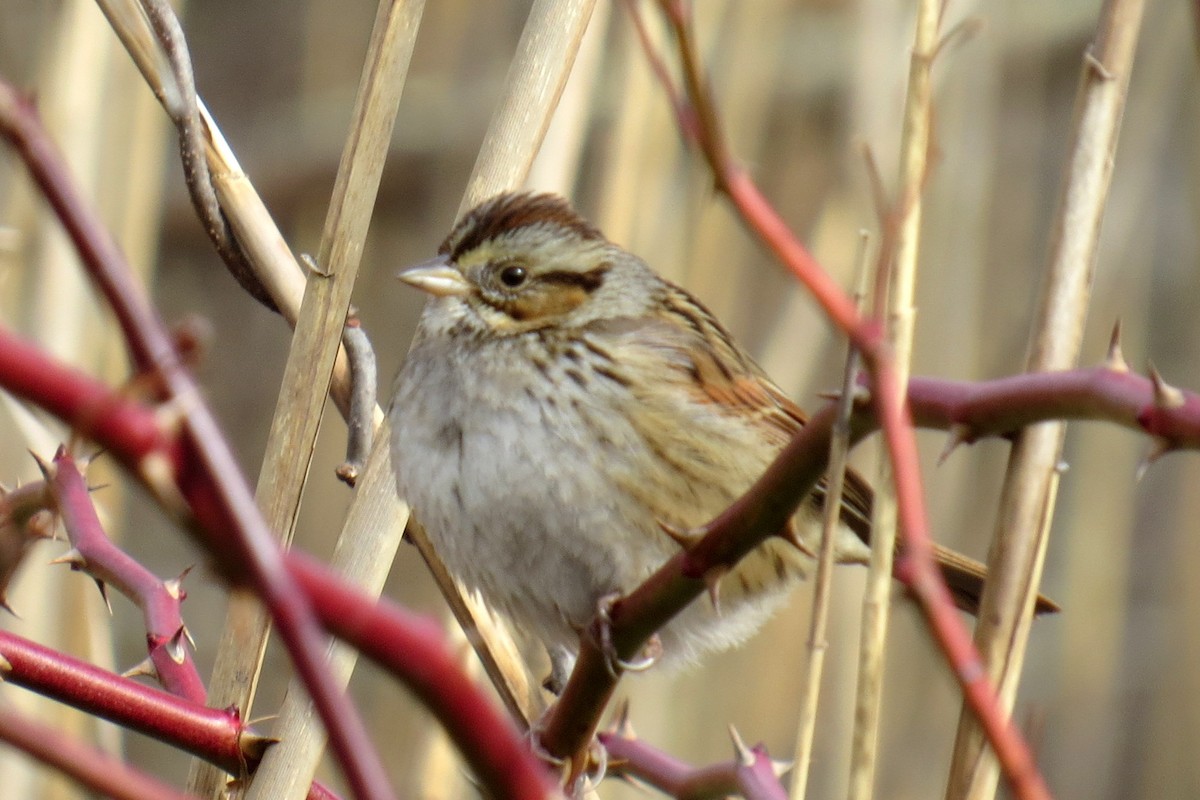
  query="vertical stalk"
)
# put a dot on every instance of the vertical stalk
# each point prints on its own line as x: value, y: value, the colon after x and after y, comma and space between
x: 895, y: 283
x: 298, y: 409
x: 1015, y: 560
x: 823, y: 580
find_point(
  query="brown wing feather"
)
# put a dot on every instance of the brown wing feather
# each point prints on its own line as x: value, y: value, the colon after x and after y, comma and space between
x: 728, y: 377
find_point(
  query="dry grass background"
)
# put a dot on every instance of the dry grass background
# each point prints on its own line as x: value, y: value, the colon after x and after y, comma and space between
x: 1111, y: 697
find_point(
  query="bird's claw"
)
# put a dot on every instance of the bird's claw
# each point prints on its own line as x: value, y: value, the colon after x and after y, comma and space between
x: 649, y: 654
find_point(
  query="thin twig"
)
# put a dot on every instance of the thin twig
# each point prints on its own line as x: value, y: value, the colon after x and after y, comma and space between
x: 183, y: 110
x: 268, y: 253
x: 364, y: 378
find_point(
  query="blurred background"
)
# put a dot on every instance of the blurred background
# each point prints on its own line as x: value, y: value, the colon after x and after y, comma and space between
x: 1111, y: 693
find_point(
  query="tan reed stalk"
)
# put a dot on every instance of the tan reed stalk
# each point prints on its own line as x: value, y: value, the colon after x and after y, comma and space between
x: 806, y: 718
x: 1104, y: 516
x: 723, y: 266
x: 535, y: 81
x: 642, y: 140
x: 288, y: 770
x: 264, y: 246
x: 540, y: 70
x: 558, y: 163
x: 896, y: 278
x: 1014, y: 560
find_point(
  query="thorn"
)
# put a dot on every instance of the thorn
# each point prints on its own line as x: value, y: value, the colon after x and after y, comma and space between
x: 158, y: 474
x: 681, y: 537
x: 309, y: 261
x: 792, y: 536
x: 72, y: 557
x: 1158, y: 448
x: 624, y: 777
x: 188, y: 633
x: 103, y: 587
x: 265, y: 718
x: 780, y: 767
x: 174, y: 586
x: 1115, y: 360
x: 4, y: 604
x: 89, y: 460
x: 234, y: 787
x: 174, y: 645
x: 1165, y: 395
x: 831, y: 395
x: 144, y: 668
x: 1102, y: 71
x: 47, y: 469
x: 621, y: 725
x: 743, y: 754
x: 5, y: 666
x: 95, y: 487
x: 193, y: 336
x: 959, y: 434
x: 254, y: 745
x: 712, y: 580
x: 41, y: 525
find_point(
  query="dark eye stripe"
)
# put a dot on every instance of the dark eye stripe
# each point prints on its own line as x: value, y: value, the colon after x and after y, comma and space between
x: 588, y: 281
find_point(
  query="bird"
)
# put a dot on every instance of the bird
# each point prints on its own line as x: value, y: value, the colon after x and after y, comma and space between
x: 563, y: 406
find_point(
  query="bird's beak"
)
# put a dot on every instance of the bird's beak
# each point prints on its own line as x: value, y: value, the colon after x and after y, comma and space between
x: 438, y: 276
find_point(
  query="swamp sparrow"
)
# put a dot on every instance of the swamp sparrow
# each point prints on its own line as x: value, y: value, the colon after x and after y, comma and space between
x: 562, y: 402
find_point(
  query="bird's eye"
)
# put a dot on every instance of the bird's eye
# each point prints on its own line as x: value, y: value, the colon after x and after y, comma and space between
x: 513, y: 276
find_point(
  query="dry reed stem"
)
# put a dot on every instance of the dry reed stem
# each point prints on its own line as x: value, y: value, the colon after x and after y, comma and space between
x: 264, y: 246
x: 296, y: 421
x: 557, y: 164
x: 287, y: 768
x: 535, y: 81
x: 641, y: 141
x: 1014, y: 559
x: 823, y: 579
x: 375, y: 504
x: 896, y: 278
